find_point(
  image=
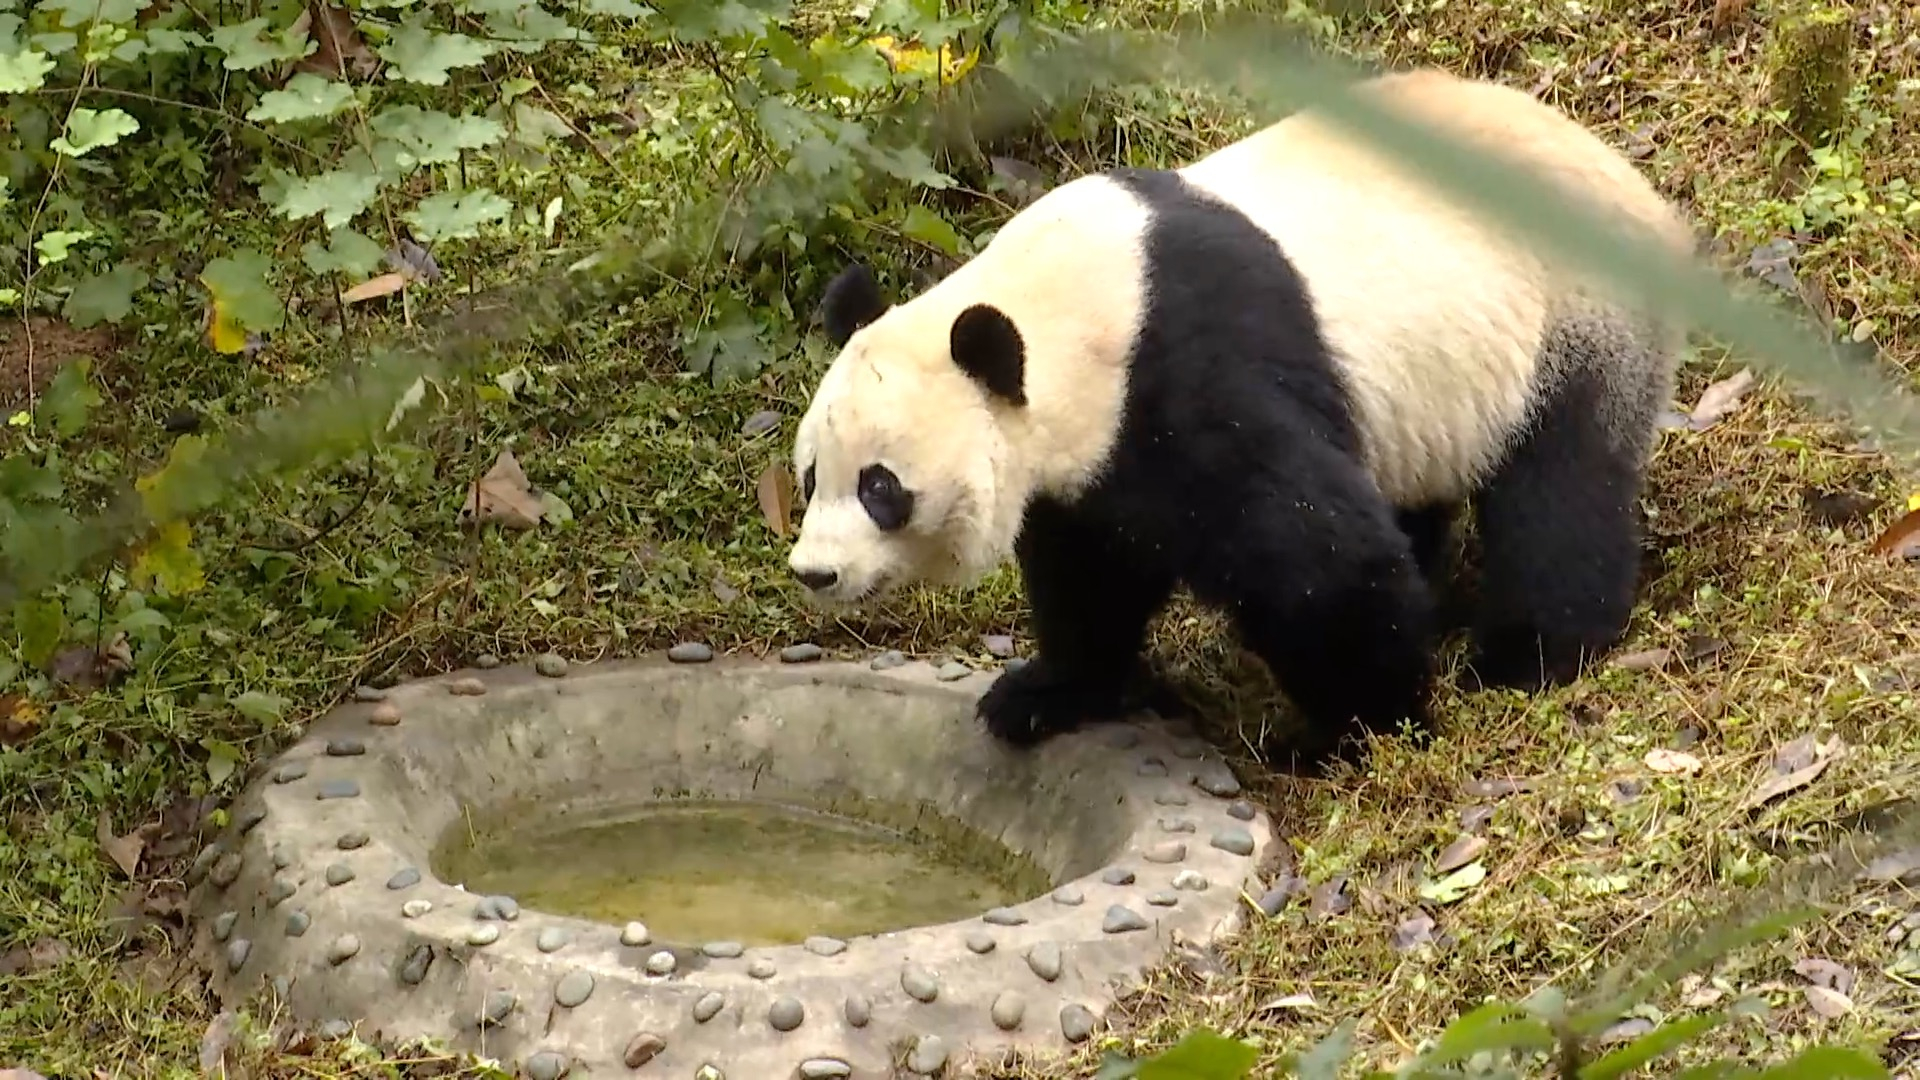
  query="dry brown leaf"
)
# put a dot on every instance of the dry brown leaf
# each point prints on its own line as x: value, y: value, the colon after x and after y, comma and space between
x: 213, y: 1043
x: 775, y: 490
x: 1902, y: 538
x: 84, y: 668
x: 341, y: 49
x: 123, y: 850
x: 1718, y: 401
x: 39, y: 956
x: 1677, y: 762
x: 1459, y: 853
x: 19, y: 719
x: 1823, y: 972
x: 504, y: 495
x: 1777, y: 785
x: 1644, y: 660
x: 1412, y: 933
x: 1831, y: 1004
x: 375, y: 287
x: 1289, y: 1003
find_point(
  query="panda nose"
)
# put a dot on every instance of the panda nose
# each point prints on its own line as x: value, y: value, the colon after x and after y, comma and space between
x: 817, y: 579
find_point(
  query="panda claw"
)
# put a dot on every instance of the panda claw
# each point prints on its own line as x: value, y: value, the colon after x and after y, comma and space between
x: 1027, y: 707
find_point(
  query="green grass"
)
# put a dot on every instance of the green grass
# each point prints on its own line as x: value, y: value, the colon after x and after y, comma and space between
x: 362, y: 572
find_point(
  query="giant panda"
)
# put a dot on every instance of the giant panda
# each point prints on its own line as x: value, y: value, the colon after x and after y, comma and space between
x: 1273, y: 376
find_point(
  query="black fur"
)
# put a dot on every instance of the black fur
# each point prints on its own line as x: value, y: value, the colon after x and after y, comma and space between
x: 1238, y: 474
x: 987, y: 346
x: 851, y: 300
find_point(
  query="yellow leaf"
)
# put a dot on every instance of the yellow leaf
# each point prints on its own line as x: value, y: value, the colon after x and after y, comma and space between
x: 156, y: 488
x: 169, y: 560
x: 224, y: 331
x: 1913, y: 502
x: 952, y: 68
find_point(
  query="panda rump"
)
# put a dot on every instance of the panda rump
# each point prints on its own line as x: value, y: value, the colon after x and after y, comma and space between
x: 1274, y: 377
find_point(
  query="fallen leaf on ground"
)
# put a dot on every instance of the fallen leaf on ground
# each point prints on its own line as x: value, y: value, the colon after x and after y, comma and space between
x: 1834, y: 508
x: 1831, y: 1004
x: 1718, y: 401
x: 20, y: 1074
x: 1412, y: 934
x: 1452, y: 887
x: 340, y: 46
x: 504, y: 495
x: 19, y: 719
x: 1024, y: 183
x: 1796, y: 755
x: 1329, y: 899
x: 1780, y: 783
x: 1626, y: 1030
x: 1289, y: 1003
x: 39, y: 956
x: 775, y: 491
x: 1459, y: 853
x: 1496, y: 789
x: 1823, y: 972
x: 84, y: 668
x: 123, y: 850
x: 1644, y: 660
x: 416, y: 262
x: 1902, y: 538
x: 213, y: 1043
x: 1475, y: 816
x: 1679, y: 762
x: 374, y: 287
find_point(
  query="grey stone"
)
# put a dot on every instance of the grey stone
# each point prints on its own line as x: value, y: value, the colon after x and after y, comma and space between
x: 343, y: 788
x: 226, y: 869
x: 251, y: 818
x: 1171, y: 798
x: 723, y: 950
x: 1076, y: 1023
x: 343, y: 948
x: 339, y: 874
x: 1069, y: 896
x: 297, y: 924
x: 223, y: 925
x: 1217, y: 781
x: 466, y: 688
x: 1117, y: 875
x: 760, y: 423
x: 1241, y: 810
x: 291, y: 771
x: 889, y: 660
x: 1044, y: 960
x: 483, y: 935
x: 1166, y: 851
x: 825, y: 1069
x: 1273, y: 900
x: 858, y: 1010
x: 979, y: 941
x: 999, y: 646
x: 1008, y: 1009
x: 504, y: 908
x: 1163, y: 898
x: 197, y: 870
x: 369, y: 693
x: 280, y: 891
x: 1151, y: 767
x: 1120, y: 920
x: 804, y: 653
x: 496, y: 1007
x: 920, y: 984
x: 553, y: 939
x: 334, y: 1029
x: 634, y: 934
x: 550, y: 665
x: 486, y: 661
x: 352, y: 841
x: 1233, y: 840
x: 237, y: 951
x: 346, y: 746
x: 404, y: 879
x: 385, y: 715
x: 414, y: 970
x: 282, y: 987
x: 929, y: 1055
x: 573, y: 989
x: 1190, y: 880
x: 708, y: 1006
x: 825, y: 946
x: 662, y: 963
x: 786, y: 1013
x: 547, y: 1065
x: 641, y: 1049
x: 952, y: 671
x: 1001, y: 916
x: 282, y: 856
x: 761, y: 968
x: 690, y: 652
x: 709, y: 1071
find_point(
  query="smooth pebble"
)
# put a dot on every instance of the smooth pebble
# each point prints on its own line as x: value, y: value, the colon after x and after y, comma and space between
x: 552, y: 939
x: 1167, y: 851
x: 1120, y: 920
x: 468, y: 687
x: 1009, y: 1008
x: 661, y: 963
x: 1190, y: 880
x: 888, y: 660
x: 824, y: 1069
x: 929, y: 1054
x: 547, y: 1065
x: 804, y: 653
x: 858, y: 1010
x: 761, y: 968
x: 690, y: 652
x: 339, y: 874
x: 483, y: 935
x: 708, y: 1006
x: 952, y: 671
x: 979, y: 941
x: 551, y: 665
x: 1069, y: 895
x: 723, y: 950
x: 404, y: 879
x: 634, y: 935
x: 825, y: 946
x: 573, y: 989
x: 343, y: 948
x: 1076, y: 1023
x: 641, y: 1049
x: 1234, y: 841
x: 920, y: 984
x: 1117, y: 875
x: 1044, y: 959
x: 786, y: 1014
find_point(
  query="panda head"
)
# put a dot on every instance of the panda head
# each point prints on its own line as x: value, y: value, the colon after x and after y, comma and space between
x: 903, y: 453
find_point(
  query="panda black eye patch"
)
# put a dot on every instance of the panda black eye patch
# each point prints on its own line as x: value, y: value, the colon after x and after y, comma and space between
x: 886, y: 502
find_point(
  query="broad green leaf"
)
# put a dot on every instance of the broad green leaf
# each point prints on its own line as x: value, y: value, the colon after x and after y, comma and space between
x: 76, y: 13
x: 222, y: 758
x: 55, y: 245
x: 258, y: 706
x: 1828, y: 1063
x: 1664, y: 1039
x: 1495, y: 1027
x: 337, y: 196
x: 242, y: 299
x: 23, y: 481
x: 71, y: 397
x: 41, y: 624
x: 618, y: 9
x: 1323, y: 1061
x: 248, y: 45
x: 419, y: 54
x: 930, y: 228
x: 104, y: 297
x: 306, y: 97
x: 433, y: 138
x: 91, y: 129
x: 528, y: 28
x: 1455, y: 885
x: 168, y: 562
x: 1202, y: 1055
x: 456, y: 215
x: 23, y: 70
x: 910, y: 164
x: 345, y: 252
x: 172, y: 486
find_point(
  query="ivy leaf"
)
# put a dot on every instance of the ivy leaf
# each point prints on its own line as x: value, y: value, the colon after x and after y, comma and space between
x: 242, y: 299
x: 91, y: 129
x: 82, y: 12
x: 306, y: 97
x: 71, y: 396
x: 104, y: 297
x: 248, y: 46
x: 419, y: 54
x: 433, y: 138
x: 40, y: 624
x: 346, y: 252
x: 56, y: 244
x: 930, y: 228
x: 337, y: 196
x: 258, y: 706
x: 169, y: 562
x: 456, y: 215
x: 528, y: 28
x: 24, y: 71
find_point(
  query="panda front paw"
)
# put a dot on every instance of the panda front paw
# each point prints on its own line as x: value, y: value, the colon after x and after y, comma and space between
x: 1030, y: 705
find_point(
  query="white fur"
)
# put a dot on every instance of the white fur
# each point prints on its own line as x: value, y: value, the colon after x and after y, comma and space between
x: 1437, y: 319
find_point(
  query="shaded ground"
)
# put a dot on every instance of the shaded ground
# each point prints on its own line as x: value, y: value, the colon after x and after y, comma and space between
x: 1781, y: 626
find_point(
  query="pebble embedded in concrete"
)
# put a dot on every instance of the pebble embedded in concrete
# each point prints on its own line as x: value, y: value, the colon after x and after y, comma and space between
x: 1218, y: 781
x: 486, y: 661
x: 952, y: 671
x: 1069, y: 895
x: 226, y: 869
x: 804, y: 653
x: 1001, y: 916
x: 466, y: 687
x: 634, y: 935
x: 415, y: 969
x: 661, y: 963
x: 723, y: 950
x: 709, y: 1071
x: 761, y: 968
x: 291, y: 771
x: 403, y: 879
x: 1167, y: 851
x: 1045, y: 961
x: 504, y: 908
x: 334, y: 1029
x: 641, y: 1049
x: 237, y: 951
x: 825, y: 1069
x: 1008, y: 1009
x: 343, y: 948
x: 979, y: 941
x: 338, y: 874
x: 929, y: 1054
x: 1076, y: 1023
x: 346, y: 746
x: 282, y: 856
x: 547, y: 1065
x: 1152, y: 766
x: 1171, y: 798
x: 690, y: 652
x: 786, y: 1013
x: 1117, y: 875
x: 1175, y: 825
x: 1234, y: 840
x: 483, y: 935
x: 1189, y: 749
x: 1163, y: 898
x: 369, y: 693
x: 920, y: 984
x: 280, y: 892
x: 352, y: 841
x: 858, y: 1010
x: 889, y: 660
x: 1121, y: 919
x: 496, y: 1007
x: 573, y: 989
x: 825, y: 946
x: 297, y: 924
x: 251, y: 818
x: 386, y: 714
x: 708, y: 1006
x: 343, y: 788
x: 223, y: 924
x: 550, y: 665
x: 553, y: 939
x: 1123, y: 738
x: 1190, y: 880
x: 1241, y: 810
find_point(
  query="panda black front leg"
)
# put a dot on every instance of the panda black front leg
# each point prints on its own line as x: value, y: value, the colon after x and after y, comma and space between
x: 1091, y: 605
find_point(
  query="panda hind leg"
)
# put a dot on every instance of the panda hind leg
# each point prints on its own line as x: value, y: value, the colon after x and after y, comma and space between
x: 1559, y: 544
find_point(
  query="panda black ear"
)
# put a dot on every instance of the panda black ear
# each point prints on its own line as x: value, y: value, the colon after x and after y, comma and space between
x: 987, y: 346
x: 852, y: 300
